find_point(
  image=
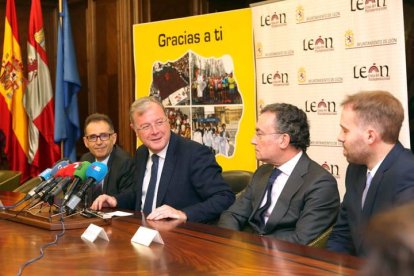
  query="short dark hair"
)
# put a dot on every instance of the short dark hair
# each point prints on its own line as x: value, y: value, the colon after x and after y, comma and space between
x: 97, y: 117
x: 291, y: 120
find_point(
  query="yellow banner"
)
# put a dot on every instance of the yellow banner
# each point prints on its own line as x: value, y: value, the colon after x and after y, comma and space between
x: 202, y: 69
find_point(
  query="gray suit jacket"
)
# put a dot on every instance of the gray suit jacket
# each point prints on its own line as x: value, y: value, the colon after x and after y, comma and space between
x: 307, y: 206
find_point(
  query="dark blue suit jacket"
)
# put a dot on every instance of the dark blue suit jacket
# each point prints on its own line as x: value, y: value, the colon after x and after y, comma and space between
x: 392, y: 184
x: 191, y: 181
x: 119, y: 176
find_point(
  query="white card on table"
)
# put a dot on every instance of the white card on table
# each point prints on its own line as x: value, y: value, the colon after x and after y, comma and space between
x: 93, y: 231
x: 146, y: 235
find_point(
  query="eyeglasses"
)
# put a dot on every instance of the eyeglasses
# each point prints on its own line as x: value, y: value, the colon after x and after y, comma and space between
x: 102, y: 136
x: 260, y: 135
x: 147, y: 127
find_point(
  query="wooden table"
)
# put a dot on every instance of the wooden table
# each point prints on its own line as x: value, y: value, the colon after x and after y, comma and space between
x: 189, y: 249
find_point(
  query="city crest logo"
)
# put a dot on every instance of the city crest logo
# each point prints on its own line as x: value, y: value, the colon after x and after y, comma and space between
x: 302, y: 75
x: 300, y: 14
x: 349, y: 39
x: 259, y: 49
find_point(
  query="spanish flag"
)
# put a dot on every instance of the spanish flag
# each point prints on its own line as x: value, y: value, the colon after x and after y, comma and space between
x: 13, y: 122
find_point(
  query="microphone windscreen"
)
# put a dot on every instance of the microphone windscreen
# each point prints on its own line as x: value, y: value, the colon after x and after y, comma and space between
x: 67, y: 170
x: 59, y: 165
x: 97, y: 171
x: 80, y: 171
x: 46, y: 174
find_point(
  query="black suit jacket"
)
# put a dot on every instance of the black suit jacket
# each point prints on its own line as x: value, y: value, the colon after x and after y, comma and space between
x: 307, y: 206
x: 191, y: 181
x: 119, y: 176
x: 393, y: 184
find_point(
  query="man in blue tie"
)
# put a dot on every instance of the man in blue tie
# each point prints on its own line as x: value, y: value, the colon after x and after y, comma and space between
x: 174, y: 177
x: 290, y: 197
x: 380, y: 174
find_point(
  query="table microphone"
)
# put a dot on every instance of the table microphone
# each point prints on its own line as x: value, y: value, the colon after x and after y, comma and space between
x: 62, y: 184
x: 65, y: 173
x: 79, y: 176
x: 95, y: 173
x: 48, y: 178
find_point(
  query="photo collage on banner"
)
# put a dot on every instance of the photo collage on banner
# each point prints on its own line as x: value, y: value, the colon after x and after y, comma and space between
x: 313, y: 53
x: 203, y: 73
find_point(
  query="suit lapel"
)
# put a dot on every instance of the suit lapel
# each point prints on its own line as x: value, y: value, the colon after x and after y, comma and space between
x: 109, y: 165
x: 141, y: 164
x: 260, y: 183
x: 261, y: 188
x: 167, y: 170
x: 292, y: 185
x: 376, y: 181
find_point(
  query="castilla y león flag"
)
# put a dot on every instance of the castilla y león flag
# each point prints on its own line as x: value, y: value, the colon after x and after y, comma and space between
x: 43, y: 152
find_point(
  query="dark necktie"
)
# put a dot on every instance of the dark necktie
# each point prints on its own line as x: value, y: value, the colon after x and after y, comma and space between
x: 259, y: 215
x: 149, y: 198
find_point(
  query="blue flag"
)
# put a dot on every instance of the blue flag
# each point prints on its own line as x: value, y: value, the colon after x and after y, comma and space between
x: 67, y: 128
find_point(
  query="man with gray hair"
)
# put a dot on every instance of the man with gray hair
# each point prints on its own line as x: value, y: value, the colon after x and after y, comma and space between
x: 290, y: 197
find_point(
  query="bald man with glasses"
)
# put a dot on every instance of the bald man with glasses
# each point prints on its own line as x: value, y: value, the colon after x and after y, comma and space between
x: 290, y: 197
x: 100, y: 139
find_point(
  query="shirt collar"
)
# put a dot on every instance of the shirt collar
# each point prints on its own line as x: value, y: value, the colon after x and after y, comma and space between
x: 288, y: 167
x: 162, y: 153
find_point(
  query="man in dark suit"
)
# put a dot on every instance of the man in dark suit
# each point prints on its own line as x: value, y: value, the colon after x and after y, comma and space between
x: 302, y: 200
x: 174, y: 177
x: 100, y: 139
x: 380, y: 174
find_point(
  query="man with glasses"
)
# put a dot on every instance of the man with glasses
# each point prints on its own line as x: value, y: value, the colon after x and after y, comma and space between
x: 290, y: 197
x: 175, y: 177
x: 100, y: 139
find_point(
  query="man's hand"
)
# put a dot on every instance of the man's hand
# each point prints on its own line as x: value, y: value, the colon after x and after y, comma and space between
x: 164, y: 225
x: 166, y: 211
x: 104, y: 201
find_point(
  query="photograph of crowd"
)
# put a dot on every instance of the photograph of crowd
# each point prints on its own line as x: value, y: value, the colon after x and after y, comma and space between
x: 213, y: 81
x: 202, y: 99
x: 171, y: 83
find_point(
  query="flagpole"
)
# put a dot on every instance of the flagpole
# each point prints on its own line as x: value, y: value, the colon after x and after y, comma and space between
x: 60, y: 8
x: 60, y: 11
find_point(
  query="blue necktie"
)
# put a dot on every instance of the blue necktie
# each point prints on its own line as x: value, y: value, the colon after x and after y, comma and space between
x: 149, y: 198
x: 259, y: 215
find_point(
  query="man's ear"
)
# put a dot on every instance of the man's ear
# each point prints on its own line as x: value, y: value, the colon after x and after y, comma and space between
x: 372, y: 135
x: 85, y: 142
x: 284, y: 140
